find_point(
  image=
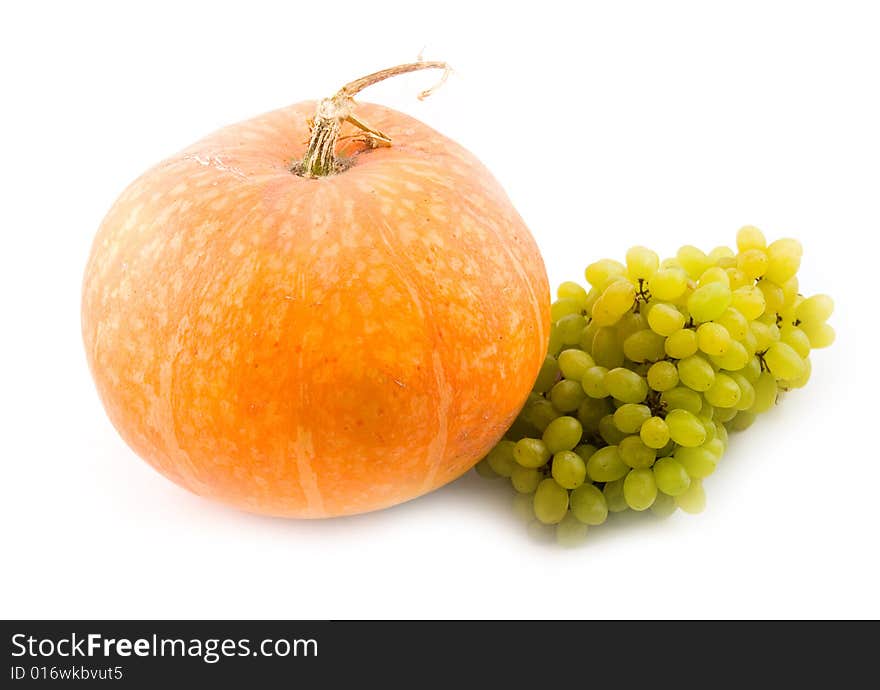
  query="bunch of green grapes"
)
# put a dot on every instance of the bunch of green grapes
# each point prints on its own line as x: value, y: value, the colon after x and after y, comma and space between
x: 648, y: 370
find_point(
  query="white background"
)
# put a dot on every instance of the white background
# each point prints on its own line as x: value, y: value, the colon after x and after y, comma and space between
x: 609, y: 124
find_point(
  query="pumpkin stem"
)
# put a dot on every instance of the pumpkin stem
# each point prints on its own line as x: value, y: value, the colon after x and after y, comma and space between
x: 320, y: 159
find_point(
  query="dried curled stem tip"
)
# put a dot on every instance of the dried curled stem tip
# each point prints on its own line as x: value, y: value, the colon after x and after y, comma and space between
x: 320, y: 159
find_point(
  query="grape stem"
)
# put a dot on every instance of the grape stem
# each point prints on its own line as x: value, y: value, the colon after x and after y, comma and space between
x: 762, y: 361
x: 320, y: 159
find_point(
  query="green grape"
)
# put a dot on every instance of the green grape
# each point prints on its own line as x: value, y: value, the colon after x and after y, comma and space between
x: 801, y: 380
x: 531, y: 452
x: 550, y: 502
x: 644, y: 346
x: 602, y: 272
x: 592, y: 296
x: 641, y: 262
x: 721, y: 432
x: 602, y: 316
x: 685, y: 429
x: 607, y: 348
x: 796, y: 338
x: 615, y: 301
x: 694, y: 372
x: 736, y: 324
x: 787, y: 315
x: 635, y: 453
x: 682, y: 398
x: 613, y: 492
x: 782, y: 360
x: 567, y: 395
x: 639, y: 489
x: 746, y: 392
x: 681, y: 344
x: 591, y: 411
x: 671, y: 478
x: 774, y: 299
x: 715, y: 275
x: 723, y: 415
x: 724, y: 392
x: 707, y: 411
x: 749, y: 237
x: 666, y: 450
x: 662, y: 376
x: 784, y: 259
x: 570, y: 532
x: 587, y: 337
x: 664, y: 319
x: 570, y: 328
x: 568, y: 469
x: 765, y: 335
x: 563, y: 433
x: 588, y: 504
x: 737, y: 278
x: 766, y: 392
x: 625, y: 385
x: 709, y: 427
x: 500, y: 458
x: 693, y: 499
x: 735, y: 358
x: 519, y: 429
x: 563, y: 307
x: 531, y: 399
x: 525, y: 479
x: 697, y: 462
x: 620, y: 296
x: 654, y: 433
x: 753, y: 262
x: 709, y: 301
x: 713, y: 338
x: 815, y: 309
x: 748, y: 301
x: 609, y: 432
x: 547, y: 375
x: 593, y: 382
x: 555, y: 343
x: 770, y: 318
x: 750, y: 345
x: 573, y: 364
x: 574, y: 292
x: 540, y: 413
x: 716, y: 446
x: 630, y: 323
x: 742, y: 421
x: 752, y: 370
x: 819, y: 334
x: 606, y: 465
x: 692, y: 260
x: 629, y: 417
x: 585, y: 450
x: 707, y: 421
x: 664, y: 505
x: 790, y: 290
x: 668, y: 283
x: 485, y: 470
x: 721, y: 254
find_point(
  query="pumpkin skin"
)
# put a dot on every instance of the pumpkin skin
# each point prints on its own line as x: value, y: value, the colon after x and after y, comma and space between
x: 314, y: 347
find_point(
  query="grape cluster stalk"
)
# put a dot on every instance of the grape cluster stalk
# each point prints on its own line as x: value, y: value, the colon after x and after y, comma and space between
x: 646, y: 373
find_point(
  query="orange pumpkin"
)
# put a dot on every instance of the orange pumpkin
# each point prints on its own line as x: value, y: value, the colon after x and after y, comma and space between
x: 321, y: 345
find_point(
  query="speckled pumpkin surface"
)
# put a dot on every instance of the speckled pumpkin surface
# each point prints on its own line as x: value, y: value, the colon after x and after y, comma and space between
x: 314, y: 347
